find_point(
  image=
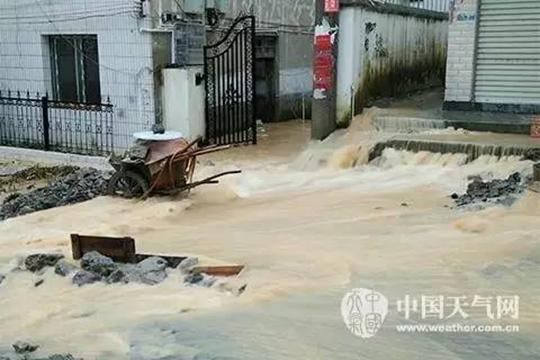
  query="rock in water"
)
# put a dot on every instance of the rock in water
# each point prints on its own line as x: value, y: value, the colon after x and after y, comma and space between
x: 21, y: 347
x: 98, y: 264
x: 118, y: 276
x: 62, y: 357
x: 193, y: 279
x: 498, y: 191
x: 152, y: 271
x: 64, y: 268
x: 83, y: 277
x: 188, y: 264
x: 200, y: 279
x: 37, y: 262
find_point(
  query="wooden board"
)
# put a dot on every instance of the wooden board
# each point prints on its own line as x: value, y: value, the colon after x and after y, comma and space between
x: 219, y: 270
x: 118, y: 249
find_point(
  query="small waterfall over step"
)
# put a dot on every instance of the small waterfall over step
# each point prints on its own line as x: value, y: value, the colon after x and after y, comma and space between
x: 472, y: 150
x: 406, y: 124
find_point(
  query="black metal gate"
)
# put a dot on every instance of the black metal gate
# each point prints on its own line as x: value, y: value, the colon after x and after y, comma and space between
x: 229, y: 67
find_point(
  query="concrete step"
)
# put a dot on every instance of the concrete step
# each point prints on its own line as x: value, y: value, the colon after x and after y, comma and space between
x: 472, y: 148
x: 487, y: 122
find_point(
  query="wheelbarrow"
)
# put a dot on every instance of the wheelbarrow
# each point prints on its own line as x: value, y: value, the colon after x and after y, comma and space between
x: 166, y: 167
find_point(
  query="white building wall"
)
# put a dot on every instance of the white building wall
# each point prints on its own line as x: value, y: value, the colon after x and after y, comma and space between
x: 386, y: 52
x: 461, y: 51
x: 125, y: 53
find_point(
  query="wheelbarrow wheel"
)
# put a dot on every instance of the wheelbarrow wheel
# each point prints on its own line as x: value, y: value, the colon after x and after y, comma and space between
x: 127, y: 184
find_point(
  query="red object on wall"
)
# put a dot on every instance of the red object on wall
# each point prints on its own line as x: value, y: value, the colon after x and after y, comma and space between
x: 324, y: 62
x: 323, y: 42
x: 331, y: 6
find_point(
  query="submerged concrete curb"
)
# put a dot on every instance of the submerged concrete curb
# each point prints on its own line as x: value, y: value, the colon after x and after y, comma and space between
x: 53, y: 158
x: 472, y: 150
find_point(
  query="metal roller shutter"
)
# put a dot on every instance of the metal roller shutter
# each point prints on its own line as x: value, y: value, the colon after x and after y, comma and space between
x: 508, y: 56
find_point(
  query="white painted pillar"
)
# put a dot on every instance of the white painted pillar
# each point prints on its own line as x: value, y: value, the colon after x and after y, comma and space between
x: 183, y: 101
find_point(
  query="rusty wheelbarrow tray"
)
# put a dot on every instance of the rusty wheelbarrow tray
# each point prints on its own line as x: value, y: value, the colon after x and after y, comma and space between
x: 168, y: 169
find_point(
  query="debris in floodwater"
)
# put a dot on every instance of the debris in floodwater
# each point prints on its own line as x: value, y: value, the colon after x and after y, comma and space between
x: 193, y: 279
x: 120, y: 249
x: 219, y: 270
x: 151, y: 271
x: 188, y: 264
x: 200, y: 279
x: 24, y: 351
x: 33, y: 173
x: 61, y: 357
x: 499, y: 191
x: 2, y: 278
x: 38, y: 262
x: 39, y: 282
x: 242, y: 289
x: 98, y: 264
x: 83, y: 277
x: 77, y: 186
x: 64, y: 268
x: 21, y: 347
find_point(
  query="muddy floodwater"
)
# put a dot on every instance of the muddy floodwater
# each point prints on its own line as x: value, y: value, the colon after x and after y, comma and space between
x: 310, y: 222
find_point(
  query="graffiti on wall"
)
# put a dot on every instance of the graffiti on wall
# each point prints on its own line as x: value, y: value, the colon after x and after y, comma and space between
x: 374, y: 43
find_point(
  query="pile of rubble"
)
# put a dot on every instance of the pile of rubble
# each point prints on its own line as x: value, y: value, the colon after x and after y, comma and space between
x: 10, y: 178
x: 499, y: 191
x: 80, y: 185
x: 95, y: 267
x: 25, y: 351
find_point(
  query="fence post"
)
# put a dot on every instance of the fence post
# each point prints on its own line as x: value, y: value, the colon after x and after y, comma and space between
x: 45, y: 115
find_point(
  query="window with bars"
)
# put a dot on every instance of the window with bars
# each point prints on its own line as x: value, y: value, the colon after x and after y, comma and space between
x: 75, y: 68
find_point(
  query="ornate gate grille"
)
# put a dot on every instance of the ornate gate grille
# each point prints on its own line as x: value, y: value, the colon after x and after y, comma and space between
x: 229, y: 67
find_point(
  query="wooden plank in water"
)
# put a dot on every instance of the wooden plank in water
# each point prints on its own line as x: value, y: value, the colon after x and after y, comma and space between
x: 121, y: 249
x: 219, y: 270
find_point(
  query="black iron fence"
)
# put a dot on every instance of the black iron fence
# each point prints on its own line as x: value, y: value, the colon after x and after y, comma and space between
x: 36, y: 121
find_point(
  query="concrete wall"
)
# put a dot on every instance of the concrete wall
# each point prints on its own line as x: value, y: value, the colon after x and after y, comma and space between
x: 386, y: 51
x: 461, y: 51
x: 125, y: 53
x: 183, y: 101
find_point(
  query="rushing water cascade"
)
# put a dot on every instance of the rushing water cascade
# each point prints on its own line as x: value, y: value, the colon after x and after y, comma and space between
x: 309, y: 227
